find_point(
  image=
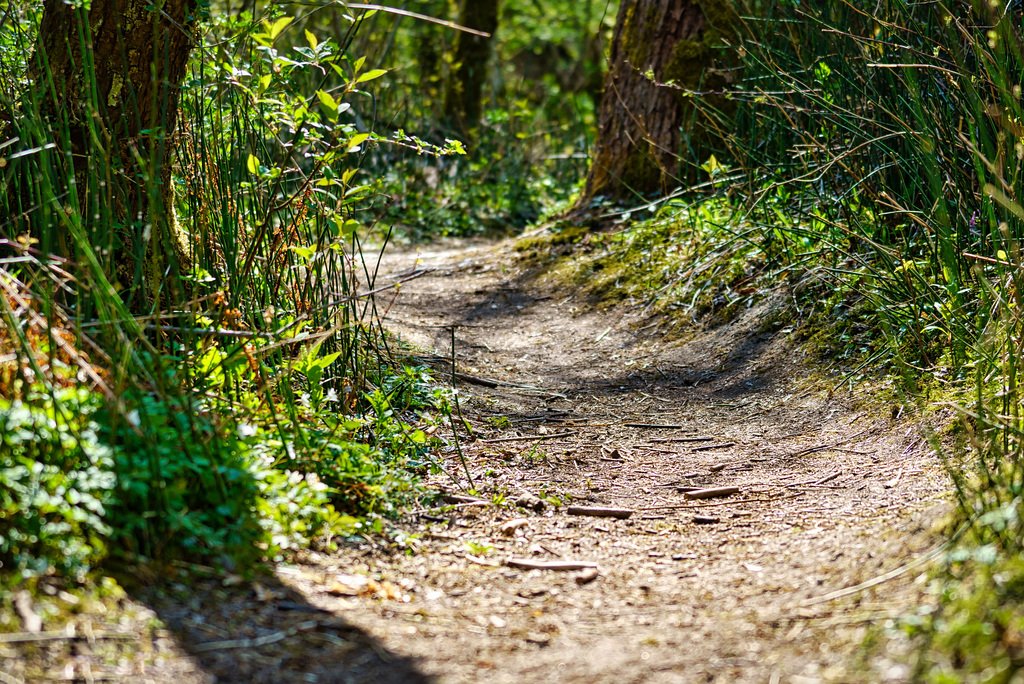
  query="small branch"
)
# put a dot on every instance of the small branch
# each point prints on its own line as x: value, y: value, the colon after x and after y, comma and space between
x: 874, y: 582
x: 651, y: 426
x: 240, y: 643
x: 458, y: 410
x: 25, y: 637
x: 828, y: 478
x: 713, y: 493
x: 599, y: 512
x: 526, y: 564
x: 524, y: 439
x: 709, y: 447
x: 671, y: 507
x: 683, y: 439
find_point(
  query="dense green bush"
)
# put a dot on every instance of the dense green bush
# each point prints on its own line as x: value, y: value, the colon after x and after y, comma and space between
x: 184, y: 484
x: 56, y: 483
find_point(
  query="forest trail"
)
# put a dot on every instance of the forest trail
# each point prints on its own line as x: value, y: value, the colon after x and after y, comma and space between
x: 723, y: 590
x: 572, y: 404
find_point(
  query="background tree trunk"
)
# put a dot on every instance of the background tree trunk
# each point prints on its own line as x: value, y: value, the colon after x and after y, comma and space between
x: 648, y: 135
x: 109, y: 78
x: 472, y: 53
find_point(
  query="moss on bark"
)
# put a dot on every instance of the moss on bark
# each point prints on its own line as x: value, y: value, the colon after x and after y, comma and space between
x: 107, y: 78
x: 653, y: 132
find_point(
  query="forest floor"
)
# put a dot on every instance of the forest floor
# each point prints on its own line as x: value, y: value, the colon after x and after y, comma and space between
x: 577, y: 405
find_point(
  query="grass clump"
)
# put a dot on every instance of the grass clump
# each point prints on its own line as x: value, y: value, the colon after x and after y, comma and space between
x: 886, y: 145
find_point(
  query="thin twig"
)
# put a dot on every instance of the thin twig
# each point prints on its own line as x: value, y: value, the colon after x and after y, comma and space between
x: 719, y: 503
x: 549, y: 565
x: 525, y: 439
x: 57, y: 635
x: 874, y: 582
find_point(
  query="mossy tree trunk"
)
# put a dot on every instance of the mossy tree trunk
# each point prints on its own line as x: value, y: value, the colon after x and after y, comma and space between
x: 472, y: 54
x: 649, y: 133
x: 108, y: 79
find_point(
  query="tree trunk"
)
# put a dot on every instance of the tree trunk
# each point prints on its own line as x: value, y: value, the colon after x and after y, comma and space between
x: 472, y: 53
x: 109, y: 77
x: 651, y: 136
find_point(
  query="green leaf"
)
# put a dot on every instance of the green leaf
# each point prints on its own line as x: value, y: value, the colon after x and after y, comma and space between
x: 357, y: 140
x: 329, y: 359
x: 311, y: 39
x: 279, y: 26
x: 371, y: 74
x: 345, y: 228
x: 253, y: 164
x: 327, y: 101
x: 303, y: 252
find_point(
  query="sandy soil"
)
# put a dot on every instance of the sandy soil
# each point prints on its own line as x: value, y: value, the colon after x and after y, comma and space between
x: 571, y: 405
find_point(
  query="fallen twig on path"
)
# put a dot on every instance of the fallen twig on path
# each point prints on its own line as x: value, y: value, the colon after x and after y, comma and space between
x: 464, y: 499
x: 828, y: 478
x: 525, y: 439
x: 823, y: 447
x: 240, y: 643
x: 712, y: 493
x: 57, y: 635
x: 669, y: 507
x: 683, y: 439
x: 709, y: 447
x: 600, y: 512
x: 652, y: 426
x: 892, y: 574
x: 436, y: 509
x: 527, y: 564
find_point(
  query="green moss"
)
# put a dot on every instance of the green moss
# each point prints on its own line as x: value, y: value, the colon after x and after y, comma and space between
x: 721, y: 16
x: 563, y: 235
x: 681, y: 265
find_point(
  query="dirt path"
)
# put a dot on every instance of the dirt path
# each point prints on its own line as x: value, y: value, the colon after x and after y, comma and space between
x: 829, y: 496
x: 720, y: 590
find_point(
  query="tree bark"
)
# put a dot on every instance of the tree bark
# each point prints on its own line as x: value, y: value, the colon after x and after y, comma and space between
x: 472, y: 54
x: 109, y: 77
x: 650, y: 135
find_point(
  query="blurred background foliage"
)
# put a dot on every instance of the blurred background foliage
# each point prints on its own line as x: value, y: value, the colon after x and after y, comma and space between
x: 527, y: 151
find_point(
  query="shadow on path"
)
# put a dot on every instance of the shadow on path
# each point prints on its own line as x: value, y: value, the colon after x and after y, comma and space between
x: 263, y: 631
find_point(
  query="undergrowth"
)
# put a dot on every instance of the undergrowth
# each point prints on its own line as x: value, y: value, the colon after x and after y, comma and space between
x: 240, y: 403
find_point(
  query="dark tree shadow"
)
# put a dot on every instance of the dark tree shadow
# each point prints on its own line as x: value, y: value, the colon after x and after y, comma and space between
x: 265, y: 632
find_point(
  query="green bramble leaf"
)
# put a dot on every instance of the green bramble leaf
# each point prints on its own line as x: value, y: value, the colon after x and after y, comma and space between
x: 356, y: 141
x: 371, y: 74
